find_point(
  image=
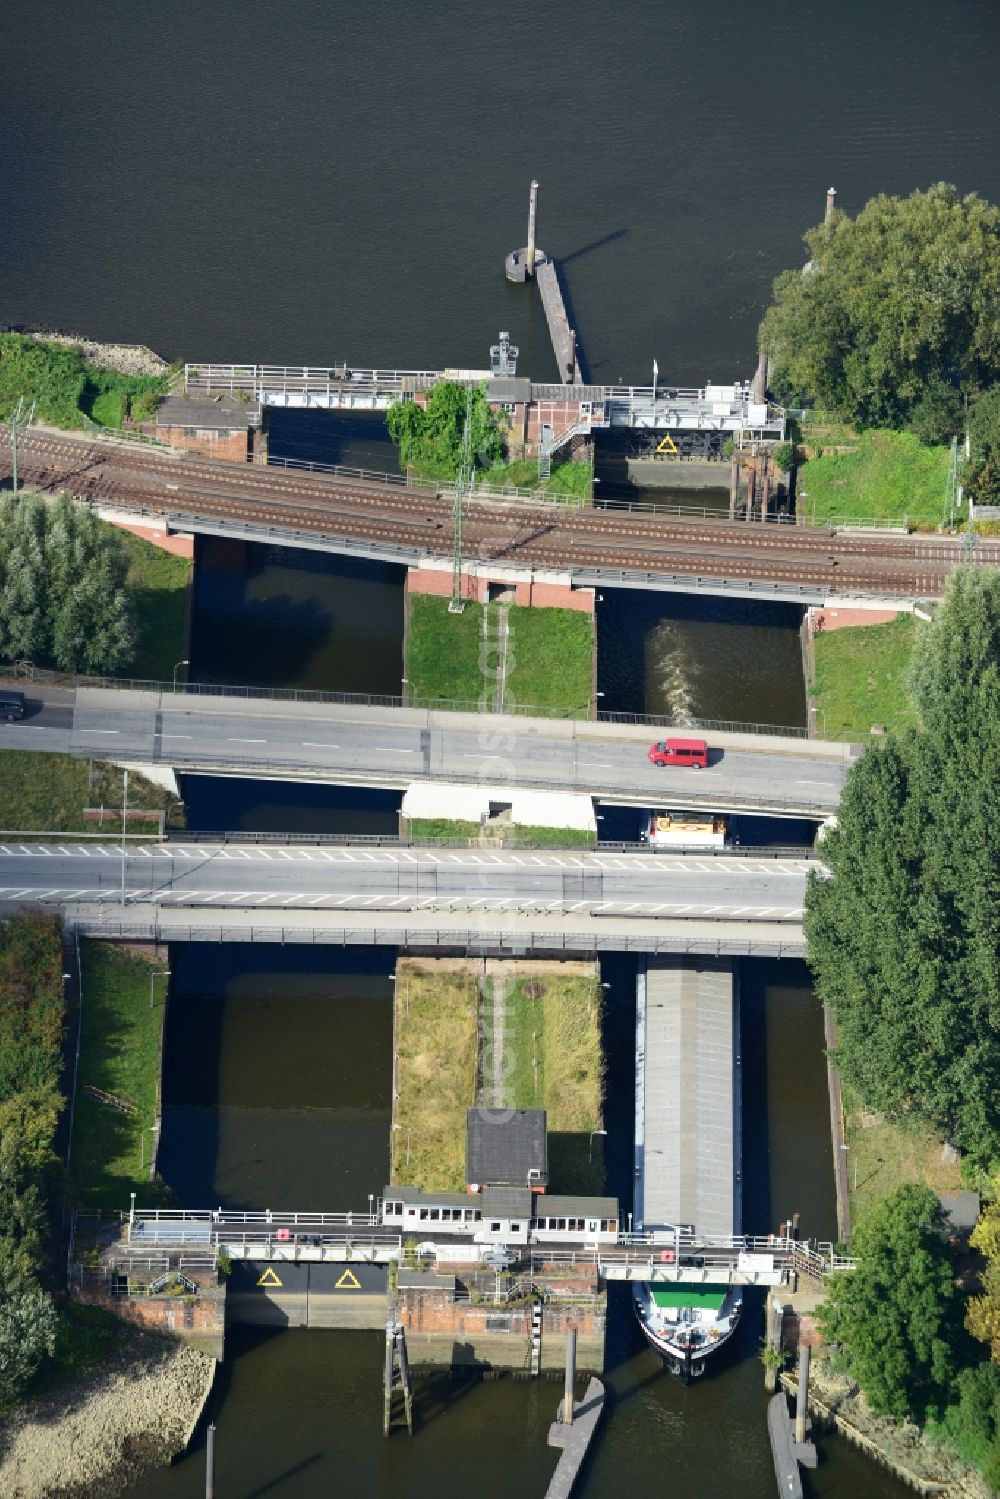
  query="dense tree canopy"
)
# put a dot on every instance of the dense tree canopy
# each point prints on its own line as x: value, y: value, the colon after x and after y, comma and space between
x: 430, y: 438
x: 31, y: 1026
x: 903, y: 930
x: 898, y: 306
x: 981, y: 474
x: 983, y: 1319
x: 62, y: 593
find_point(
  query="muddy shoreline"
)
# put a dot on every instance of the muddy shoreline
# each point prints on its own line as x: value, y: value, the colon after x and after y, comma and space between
x: 93, y: 1437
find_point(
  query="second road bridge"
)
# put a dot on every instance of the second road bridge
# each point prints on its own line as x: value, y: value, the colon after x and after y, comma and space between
x: 351, y: 743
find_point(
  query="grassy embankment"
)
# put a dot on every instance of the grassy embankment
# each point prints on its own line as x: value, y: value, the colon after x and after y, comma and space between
x: 552, y: 1030
x: 861, y: 677
x: 66, y: 389
x: 883, y: 1155
x: 550, y: 656
x: 523, y: 835
x: 158, y: 584
x: 570, y: 482
x: 46, y: 793
x: 436, y: 1017
x: 120, y: 1056
x: 888, y: 475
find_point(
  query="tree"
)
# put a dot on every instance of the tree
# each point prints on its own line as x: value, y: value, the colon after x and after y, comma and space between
x: 939, y: 414
x: 896, y: 1319
x: 28, y: 1324
x: 981, y: 475
x: 983, y: 1314
x: 430, y: 437
x: 62, y: 587
x: 896, y: 304
x: 903, y: 927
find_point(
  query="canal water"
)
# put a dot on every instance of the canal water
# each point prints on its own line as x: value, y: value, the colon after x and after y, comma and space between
x: 277, y: 1092
x: 687, y: 657
x: 266, y: 616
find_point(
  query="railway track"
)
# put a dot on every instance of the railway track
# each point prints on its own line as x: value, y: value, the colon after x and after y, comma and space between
x: 511, y: 532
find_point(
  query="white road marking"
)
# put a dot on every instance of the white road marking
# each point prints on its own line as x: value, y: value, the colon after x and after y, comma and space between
x: 97, y: 731
x: 377, y: 749
x: 176, y: 736
x: 246, y: 741
x: 317, y: 744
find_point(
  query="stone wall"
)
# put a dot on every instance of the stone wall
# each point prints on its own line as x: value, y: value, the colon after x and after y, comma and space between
x: 441, y: 1330
x: 529, y: 592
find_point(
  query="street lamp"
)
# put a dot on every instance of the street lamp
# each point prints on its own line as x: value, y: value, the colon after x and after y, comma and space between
x: 159, y: 973
x: 177, y: 668
x: 590, y: 1152
x: 124, y: 824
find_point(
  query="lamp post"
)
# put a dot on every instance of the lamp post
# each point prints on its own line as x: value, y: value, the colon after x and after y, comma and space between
x: 177, y: 668
x: 159, y: 973
x: 590, y: 1151
x: 124, y: 822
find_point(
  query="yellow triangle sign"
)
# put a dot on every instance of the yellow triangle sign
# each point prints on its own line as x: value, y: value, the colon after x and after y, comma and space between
x: 269, y: 1278
x: 347, y: 1282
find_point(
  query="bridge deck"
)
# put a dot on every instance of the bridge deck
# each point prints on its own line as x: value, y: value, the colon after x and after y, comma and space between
x: 689, y: 1132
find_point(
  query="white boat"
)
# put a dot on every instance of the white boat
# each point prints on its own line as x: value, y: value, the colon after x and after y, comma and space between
x: 686, y: 830
x: 686, y: 1324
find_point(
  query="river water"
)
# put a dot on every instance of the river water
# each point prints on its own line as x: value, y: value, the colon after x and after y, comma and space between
x: 313, y: 183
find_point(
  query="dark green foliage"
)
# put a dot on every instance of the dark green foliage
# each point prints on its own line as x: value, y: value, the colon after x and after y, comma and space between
x: 62, y: 593
x: 904, y: 932
x: 898, y: 302
x: 981, y: 475
x: 938, y: 415
x: 897, y: 1317
x: 783, y: 456
x: 31, y: 1022
x: 65, y: 388
x: 28, y: 1321
x: 972, y: 1424
x: 431, y: 438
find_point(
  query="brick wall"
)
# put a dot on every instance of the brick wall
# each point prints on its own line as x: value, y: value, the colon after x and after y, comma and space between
x: 441, y: 1330
x: 199, y: 1320
x: 528, y: 592
x: 826, y: 619
x: 229, y: 445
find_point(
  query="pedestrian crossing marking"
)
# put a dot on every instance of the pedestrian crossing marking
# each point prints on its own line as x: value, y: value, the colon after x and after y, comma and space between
x: 269, y: 1278
x: 347, y: 1282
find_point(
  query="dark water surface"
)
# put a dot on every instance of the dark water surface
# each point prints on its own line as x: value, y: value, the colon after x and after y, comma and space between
x: 286, y: 1102
x: 279, y: 617
x: 230, y: 804
x: 310, y: 182
x: 687, y: 656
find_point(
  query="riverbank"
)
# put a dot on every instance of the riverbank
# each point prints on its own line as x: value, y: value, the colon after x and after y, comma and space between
x: 57, y: 793
x: 898, y: 1446
x: 93, y: 1437
x: 845, y: 475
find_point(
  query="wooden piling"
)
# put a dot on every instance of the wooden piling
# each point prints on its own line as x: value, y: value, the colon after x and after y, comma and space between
x: 210, y: 1461
x: 802, y: 1398
x: 570, y: 1376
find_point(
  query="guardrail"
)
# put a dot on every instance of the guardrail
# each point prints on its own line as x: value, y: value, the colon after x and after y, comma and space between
x: 339, y: 471
x: 46, y: 676
x: 388, y: 840
x: 475, y: 941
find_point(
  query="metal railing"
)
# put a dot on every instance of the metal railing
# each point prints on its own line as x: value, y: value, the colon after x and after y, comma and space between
x: 339, y: 471
x: 47, y: 676
x: 389, y: 840
x: 506, y: 938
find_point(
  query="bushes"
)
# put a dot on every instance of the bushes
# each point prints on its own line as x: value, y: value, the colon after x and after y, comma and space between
x: 65, y: 388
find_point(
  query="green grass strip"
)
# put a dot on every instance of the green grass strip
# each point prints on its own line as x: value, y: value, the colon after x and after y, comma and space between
x: 861, y: 677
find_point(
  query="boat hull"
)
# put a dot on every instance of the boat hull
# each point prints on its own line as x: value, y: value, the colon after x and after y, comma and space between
x: 687, y: 1364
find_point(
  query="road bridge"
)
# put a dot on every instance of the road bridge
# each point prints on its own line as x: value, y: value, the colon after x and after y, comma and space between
x: 410, y: 525
x: 460, y: 899
x: 358, y: 742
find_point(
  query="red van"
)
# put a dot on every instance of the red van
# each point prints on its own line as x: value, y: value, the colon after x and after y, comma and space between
x: 693, y: 752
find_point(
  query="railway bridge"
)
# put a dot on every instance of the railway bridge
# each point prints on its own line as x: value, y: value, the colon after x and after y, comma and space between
x: 509, y: 538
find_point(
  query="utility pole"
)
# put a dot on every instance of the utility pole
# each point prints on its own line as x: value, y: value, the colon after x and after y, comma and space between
x: 462, y: 481
x: 20, y: 417
x: 952, y: 490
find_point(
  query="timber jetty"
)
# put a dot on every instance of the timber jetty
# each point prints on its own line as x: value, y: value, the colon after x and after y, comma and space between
x: 532, y: 264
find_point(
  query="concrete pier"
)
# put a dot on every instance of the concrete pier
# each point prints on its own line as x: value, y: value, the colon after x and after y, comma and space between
x: 575, y: 1440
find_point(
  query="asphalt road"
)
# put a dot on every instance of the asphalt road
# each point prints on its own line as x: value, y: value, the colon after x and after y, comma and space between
x: 584, y: 886
x: 392, y: 747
